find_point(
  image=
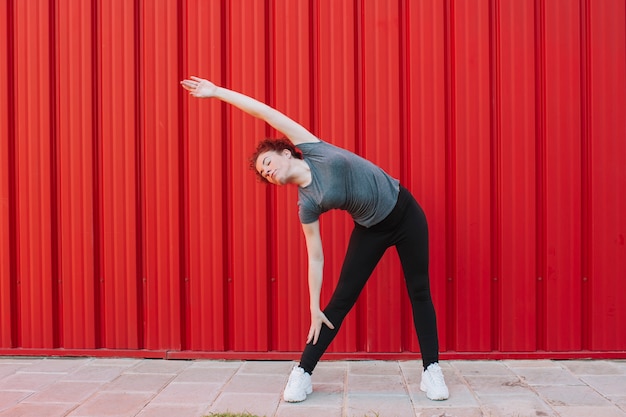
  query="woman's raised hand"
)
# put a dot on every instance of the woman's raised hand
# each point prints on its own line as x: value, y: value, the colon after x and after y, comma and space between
x: 199, y: 87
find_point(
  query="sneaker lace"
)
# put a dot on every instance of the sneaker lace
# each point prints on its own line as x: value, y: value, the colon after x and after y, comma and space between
x: 295, y: 378
x: 436, y: 374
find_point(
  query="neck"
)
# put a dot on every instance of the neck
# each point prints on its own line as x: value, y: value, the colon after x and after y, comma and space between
x: 301, y: 173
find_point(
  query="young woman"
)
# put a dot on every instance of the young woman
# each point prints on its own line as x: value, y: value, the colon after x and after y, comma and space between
x: 385, y: 214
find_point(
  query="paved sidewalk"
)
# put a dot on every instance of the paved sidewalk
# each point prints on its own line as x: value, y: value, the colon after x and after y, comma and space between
x: 81, y: 387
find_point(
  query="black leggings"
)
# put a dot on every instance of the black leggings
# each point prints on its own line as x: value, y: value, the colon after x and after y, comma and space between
x: 406, y: 229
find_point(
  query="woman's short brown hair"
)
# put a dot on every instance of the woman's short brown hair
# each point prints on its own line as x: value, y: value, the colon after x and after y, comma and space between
x: 275, y: 145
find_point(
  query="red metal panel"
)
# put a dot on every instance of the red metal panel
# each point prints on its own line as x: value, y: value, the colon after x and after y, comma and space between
x: 75, y: 172
x: 379, y: 141
x: 129, y: 221
x: 33, y: 130
x: 161, y: 150
x: 560, y: 173
x: 248, y: 207
x: 6, y: 302
x: 513, y: 132
x: 471, y: 170
x: 336, y: 123
x: 607, y: 180
x: 119, y: 268
x: 292, y: 72
x: 425, y: 143
x: 206, y: 320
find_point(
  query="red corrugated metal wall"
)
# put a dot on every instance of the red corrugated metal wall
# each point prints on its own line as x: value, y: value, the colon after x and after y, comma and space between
x: 130, y: 224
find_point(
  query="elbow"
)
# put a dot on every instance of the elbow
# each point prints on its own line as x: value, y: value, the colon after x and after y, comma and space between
x: 317, y: 259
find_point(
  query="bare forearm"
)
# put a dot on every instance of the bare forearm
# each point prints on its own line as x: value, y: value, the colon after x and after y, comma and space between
x: 279, y: 121
x: 315, y: 283
x: 243, y: 102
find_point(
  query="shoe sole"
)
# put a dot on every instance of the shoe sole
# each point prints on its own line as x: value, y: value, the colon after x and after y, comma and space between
x: 298, y: 400
x: 423, y: 388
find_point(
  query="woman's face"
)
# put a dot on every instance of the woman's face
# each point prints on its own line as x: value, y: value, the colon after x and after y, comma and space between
x: 274, y: 166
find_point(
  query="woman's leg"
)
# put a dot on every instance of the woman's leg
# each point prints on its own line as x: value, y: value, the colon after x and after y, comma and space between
x: 412, y: 248
x: 364, y: 251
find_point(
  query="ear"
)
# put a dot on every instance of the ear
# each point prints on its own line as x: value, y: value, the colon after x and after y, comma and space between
x: 287, y: 153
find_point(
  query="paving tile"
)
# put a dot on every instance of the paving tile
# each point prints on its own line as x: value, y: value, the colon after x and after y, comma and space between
x: 112, y: 404
x: 373, y: 368
x: 11, y: 398
x: 620, y: 401
x: 123, y: 362
x: 7, y: 369
x: 329, y: 388
x: 324, y: 395
x: 28, y: 381
x: 329, y: 374
x: 591, y: 367
x: 547, y: 376
x: 449, y: 412
x: 481, y: 368
x: 64, y: 392
x: 607, y: 385
x: 531, y: 363
x: 259, y: 404
x: 185, y: 393
x: 299, y: 410
x: 95, y: 373
x: 55, y: 365
x: 379, y: 405
x: 326, y: 400
x: 590, y: 411
x: 497, y: 385
x: 267, y: 368
x: 516, y: 406
x: 571, y: 396
x: 262, y: 384
x: 382, y: 384
x: 206, y: 363
x: 159, y: 366
x: 206, y: 374
x: 37, y: 410
x: 171, y: 410
x: 138, y: 383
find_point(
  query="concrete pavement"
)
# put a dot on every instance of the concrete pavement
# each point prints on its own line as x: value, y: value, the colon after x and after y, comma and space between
x: 96, y: 387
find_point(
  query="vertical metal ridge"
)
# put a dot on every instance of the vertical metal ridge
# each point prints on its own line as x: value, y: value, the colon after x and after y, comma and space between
x: 183, y: 180
x: 12, y: 168
x: 55, y: 236
x: 586, y: 211
x: 12, y: 175
x: 496, y: 137
x: 229, y: 295
x: 139, y: 179
x: 271, y: 241
x: 314, y: 59
x: 403, y: 83
x: 96, y: 105
x: 450, y: 163
x: 359, y: 76
x: 540, y: 164
x: 405, y: 144
x: 360, y: 148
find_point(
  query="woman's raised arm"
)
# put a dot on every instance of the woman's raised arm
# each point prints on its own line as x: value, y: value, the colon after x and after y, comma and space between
x: 294, y: 131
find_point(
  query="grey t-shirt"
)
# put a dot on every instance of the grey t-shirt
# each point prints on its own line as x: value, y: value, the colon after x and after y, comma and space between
x: 344, y: 180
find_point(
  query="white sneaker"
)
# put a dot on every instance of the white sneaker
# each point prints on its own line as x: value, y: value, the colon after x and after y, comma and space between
x: 298, y: 386
x: 433, y: 384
